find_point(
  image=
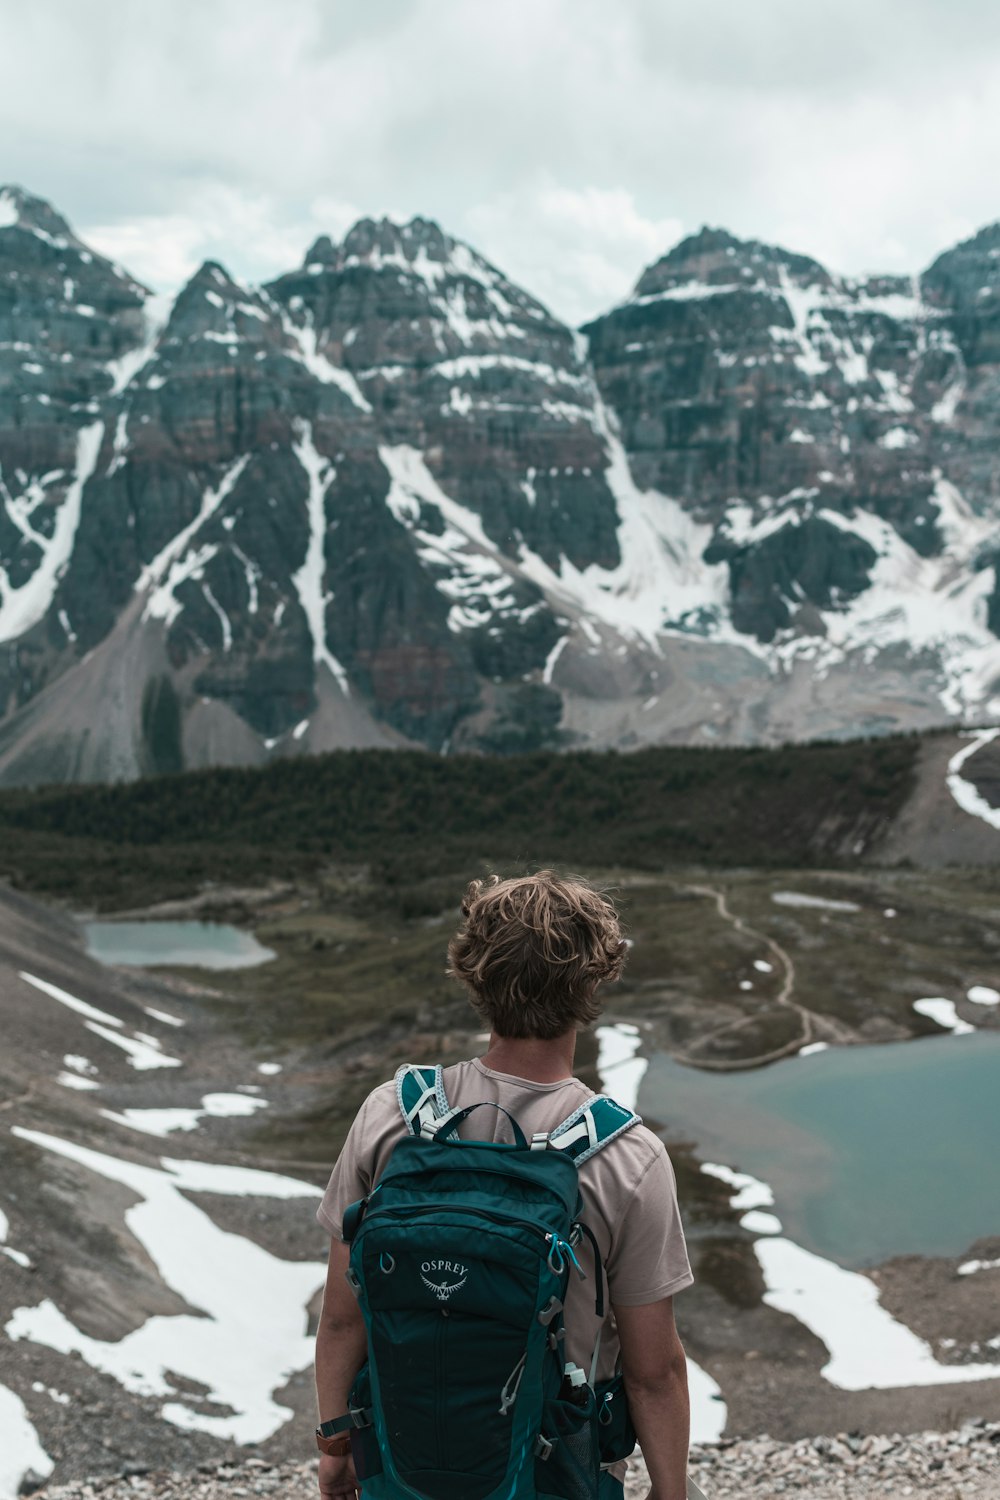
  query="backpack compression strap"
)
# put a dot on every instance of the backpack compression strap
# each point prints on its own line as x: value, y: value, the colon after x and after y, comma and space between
x: 590, y: 1128
x: 424, y: 1106
x: 587, y: 1130
x: 421, y: 1095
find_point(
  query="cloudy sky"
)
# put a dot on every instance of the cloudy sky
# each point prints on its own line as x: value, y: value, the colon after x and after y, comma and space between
x: 572, y: 141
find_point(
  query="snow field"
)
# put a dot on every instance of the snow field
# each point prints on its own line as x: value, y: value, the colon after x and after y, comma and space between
x: 21, y: 1448
x: 156, y: 313
x: 938, y: 1009
x: 162, y: 1122
x: 161, y: 1015
x: 304, y: 341
x: 964, y: 793
x: 970, y: 1267
x: 9, y: 211
x: 22, y: 608
x: 241, y: 1347
x: 75, y: 1081
x: 144, y: 1051
x: 173, y: 564
x: 466, y: 569
x: 308, y: 580
x: 868, y: 1349
x: 818, y: 903
x: 17, y: 1256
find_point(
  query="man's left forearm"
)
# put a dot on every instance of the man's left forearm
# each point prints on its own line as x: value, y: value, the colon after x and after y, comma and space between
x: 341, y: 1350
x: 341, y: 1342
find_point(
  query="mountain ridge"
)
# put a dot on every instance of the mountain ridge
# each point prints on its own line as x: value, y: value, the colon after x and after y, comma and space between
x: 387, y: 498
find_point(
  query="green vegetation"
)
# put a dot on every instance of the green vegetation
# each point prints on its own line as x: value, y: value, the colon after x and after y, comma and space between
x: 409, y: 816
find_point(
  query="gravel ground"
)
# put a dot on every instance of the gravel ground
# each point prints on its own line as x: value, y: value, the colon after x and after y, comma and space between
x: 962, y: 1465
x: 949, y: 1466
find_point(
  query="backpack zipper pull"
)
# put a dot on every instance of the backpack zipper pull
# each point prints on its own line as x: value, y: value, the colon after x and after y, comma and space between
x: 560, y: 1251
x: 512, y: 1385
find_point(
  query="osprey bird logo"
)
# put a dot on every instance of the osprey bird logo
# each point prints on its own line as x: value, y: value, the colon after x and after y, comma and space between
x: 444, y: 1289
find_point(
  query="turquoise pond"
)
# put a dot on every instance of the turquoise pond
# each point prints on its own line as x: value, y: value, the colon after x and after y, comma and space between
x: 871, y: 1151
x: 204, y: 945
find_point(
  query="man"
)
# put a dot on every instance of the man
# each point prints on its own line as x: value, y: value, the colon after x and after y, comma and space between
x: 533, y: 952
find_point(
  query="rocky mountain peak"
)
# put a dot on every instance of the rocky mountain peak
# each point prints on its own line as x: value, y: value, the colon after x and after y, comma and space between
x: 213, y: 272
x: 717, y: 260
x: 66, y: 315
x: 49, y: 271
x: 419, y: 247
x: 966, y: 277
x: 215, y: 306
x: 211, y: 290
x: 708, y: 246
x: 22, y: 210
x: 401, y: 297
x: 375, y: 239
x: 322, y: 252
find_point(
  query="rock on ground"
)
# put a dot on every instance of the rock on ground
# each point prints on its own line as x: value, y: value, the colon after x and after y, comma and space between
x: 962, y: 1465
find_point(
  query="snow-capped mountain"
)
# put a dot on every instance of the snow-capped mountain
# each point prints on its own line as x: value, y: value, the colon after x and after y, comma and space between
x: 837, y: 437
x: 388, y: 498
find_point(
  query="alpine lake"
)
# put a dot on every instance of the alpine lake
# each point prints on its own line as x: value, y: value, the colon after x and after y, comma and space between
x: 203, y: 945
x: 871, y: 1151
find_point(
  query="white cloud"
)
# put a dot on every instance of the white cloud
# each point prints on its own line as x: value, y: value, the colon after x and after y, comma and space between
x: 161, y: 250
x: 246, y: 232
x: 579, y: 249
x: 572, y: 140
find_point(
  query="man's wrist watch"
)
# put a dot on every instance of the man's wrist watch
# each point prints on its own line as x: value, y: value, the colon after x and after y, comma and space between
x: 331, y: 1442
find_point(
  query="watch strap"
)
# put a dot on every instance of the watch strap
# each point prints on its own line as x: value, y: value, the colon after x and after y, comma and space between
x: 334, y: 1447
x: 357, y: 1417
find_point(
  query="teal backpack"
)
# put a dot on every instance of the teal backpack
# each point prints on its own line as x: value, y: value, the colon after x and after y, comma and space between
x: 460, y: 1258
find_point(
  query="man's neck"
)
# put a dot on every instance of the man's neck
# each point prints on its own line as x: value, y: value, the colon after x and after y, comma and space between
x: 531, y: 1058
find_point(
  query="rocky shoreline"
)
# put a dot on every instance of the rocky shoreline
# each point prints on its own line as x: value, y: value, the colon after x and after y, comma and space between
x: 962, y: 1465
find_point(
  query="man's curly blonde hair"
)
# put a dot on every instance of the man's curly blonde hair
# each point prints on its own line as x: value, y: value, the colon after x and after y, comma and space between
x: 533, y: 950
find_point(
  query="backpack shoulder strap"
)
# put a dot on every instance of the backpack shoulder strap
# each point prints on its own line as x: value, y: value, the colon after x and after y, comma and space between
x: 591, y: 1127
x: 421, y: 1095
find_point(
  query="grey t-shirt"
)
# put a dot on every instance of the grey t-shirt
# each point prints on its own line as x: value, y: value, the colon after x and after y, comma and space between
x: 628, y: 1189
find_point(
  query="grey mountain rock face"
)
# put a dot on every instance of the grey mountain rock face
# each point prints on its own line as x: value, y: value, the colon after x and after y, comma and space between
x: 388, y: 498
x: 832, y: 433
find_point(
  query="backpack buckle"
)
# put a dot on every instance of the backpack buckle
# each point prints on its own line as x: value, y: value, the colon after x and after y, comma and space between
x: 549, y: 1311
x: 543, y: 1448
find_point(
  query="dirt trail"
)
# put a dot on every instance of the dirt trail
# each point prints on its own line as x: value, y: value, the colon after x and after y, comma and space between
x: 814, y: 1027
